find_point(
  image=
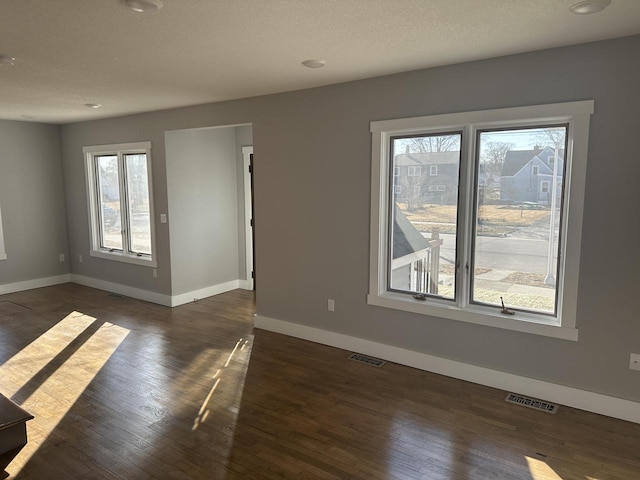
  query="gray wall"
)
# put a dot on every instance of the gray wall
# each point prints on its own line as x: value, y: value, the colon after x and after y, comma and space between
x: 312, y: 204
x: 32, y: 201
x: 202, y: 188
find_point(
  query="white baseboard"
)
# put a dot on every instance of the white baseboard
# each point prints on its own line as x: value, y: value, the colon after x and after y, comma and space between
x: 246, y: 284
x: 36, y: 283
x: 572, y: 397
x: 183, y: 298
x: 125, y: 290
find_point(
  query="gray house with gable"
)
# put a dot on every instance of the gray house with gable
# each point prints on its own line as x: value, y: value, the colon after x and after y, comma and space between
x: 527, y: 175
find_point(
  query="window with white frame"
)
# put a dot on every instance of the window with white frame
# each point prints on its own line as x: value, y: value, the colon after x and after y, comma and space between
x: 120, y: 198
x: 397, y: 189
x: 479, y: 248
x: 415, y: 171
x: 433, y: 170
x: 3, y: 253
x: 535, y: 169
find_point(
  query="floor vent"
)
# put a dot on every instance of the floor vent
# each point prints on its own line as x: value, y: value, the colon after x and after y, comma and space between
x: 532, y: 403
x: 373, y: 361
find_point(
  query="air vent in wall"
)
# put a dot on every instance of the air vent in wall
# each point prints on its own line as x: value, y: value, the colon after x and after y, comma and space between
x: 532, y: 403
x: 375, y: 362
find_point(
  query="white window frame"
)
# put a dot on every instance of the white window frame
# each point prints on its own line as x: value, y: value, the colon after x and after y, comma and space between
x: 577, y: 116
x: 535, y: 169
x: 96, y: 250
x: 397, y: 189
x: 433, y: 170
x: 3, y: 252
x: 415, y: 171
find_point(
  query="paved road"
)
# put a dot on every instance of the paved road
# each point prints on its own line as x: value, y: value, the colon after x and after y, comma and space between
x: 504, y: 253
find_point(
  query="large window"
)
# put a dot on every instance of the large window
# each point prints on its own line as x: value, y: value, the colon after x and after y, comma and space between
x: 3, y: 253
x: 496, y: 241
x: 120, y: 202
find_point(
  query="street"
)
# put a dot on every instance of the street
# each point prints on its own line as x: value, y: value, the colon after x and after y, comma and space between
x: 503, y: 253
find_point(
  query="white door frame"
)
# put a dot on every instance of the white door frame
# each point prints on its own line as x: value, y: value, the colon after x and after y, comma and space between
x: 248, y: 235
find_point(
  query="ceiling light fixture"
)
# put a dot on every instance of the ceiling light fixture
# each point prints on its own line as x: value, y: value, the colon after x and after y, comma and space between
x: 93, y: 105
x: 587, y: 7
x: 28, y: 117
x: 314, y: 63
x: 7, y: 60
x: 143, y: 6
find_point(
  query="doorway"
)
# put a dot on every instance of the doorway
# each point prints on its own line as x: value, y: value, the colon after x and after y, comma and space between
x: 247, y: 155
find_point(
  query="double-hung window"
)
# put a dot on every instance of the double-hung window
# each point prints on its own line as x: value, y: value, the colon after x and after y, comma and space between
x: 497, y: 248
x: 120, y: 196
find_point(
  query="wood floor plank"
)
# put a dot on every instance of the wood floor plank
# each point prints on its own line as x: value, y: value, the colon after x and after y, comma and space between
x: 123, y: 389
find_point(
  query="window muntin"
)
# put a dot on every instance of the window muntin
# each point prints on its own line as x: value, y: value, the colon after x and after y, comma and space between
x: 516, y: 226
x: 422, y: 237
x: 121, y: 202
x: 576, y: 115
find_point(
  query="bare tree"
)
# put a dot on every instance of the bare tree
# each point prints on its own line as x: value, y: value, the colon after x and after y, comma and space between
x: 439, y: 143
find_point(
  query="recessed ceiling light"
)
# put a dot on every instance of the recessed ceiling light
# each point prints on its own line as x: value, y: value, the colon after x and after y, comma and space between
x: 143, y: 6
x: 587, y: 7
x: 7, y: 60
x: 314, y: 63
x: 93, y: 105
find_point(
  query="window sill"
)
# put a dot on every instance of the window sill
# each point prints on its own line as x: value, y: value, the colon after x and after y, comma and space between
x: 478, y: 316
x: 123, y: 257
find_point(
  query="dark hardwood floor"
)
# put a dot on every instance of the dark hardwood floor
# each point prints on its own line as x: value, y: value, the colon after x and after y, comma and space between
x: 123, y: 389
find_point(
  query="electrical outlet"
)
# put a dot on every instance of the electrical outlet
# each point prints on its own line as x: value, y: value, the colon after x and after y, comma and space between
x: 61, y: 257
x: 634, y: 361
x: 163, y: 218
x: 331, y: 305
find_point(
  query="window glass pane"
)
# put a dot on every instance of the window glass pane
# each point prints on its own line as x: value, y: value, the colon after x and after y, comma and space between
x: 424, y: 213
x: 109, y: 202
x: 517, y: 218
x: 138, y: 202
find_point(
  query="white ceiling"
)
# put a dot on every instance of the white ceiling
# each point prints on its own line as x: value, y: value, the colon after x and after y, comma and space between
x: 72, y: 52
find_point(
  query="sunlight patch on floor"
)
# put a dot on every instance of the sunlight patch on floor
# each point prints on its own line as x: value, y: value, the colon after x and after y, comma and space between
x: 204, y: 411
x: 16, y: 371
x: 50, y: 400
x: 540, y: 470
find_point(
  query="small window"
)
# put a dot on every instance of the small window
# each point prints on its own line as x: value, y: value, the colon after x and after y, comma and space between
x: 121, y: 202
x: 397, y: 189
x: 544, y: 187
x: 3, y: 253
x: 414, y: 171
x: 396, y: 171
x: 433, y: 170
x: 535, y: 169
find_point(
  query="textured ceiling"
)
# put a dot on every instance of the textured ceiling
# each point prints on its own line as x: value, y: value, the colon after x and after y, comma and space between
x: 72, y: 52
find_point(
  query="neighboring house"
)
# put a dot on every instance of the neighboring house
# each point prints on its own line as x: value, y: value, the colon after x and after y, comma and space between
x: 413, y: 268
x: 527, y: 175
x: 426, y: 178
